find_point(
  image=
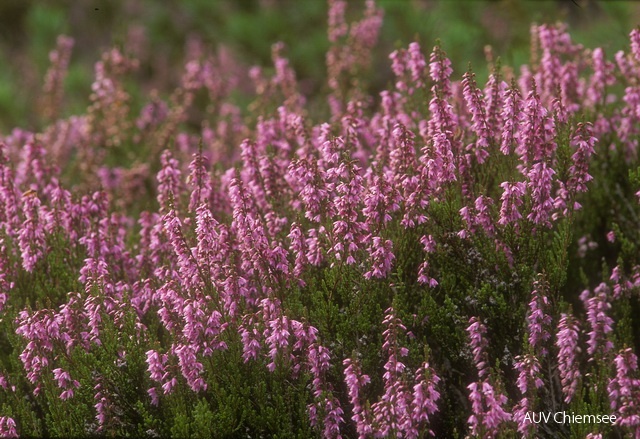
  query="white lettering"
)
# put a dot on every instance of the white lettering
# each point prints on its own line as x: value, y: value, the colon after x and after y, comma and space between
x: 555, y: 417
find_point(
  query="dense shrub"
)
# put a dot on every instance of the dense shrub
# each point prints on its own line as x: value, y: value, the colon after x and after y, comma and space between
x: 442, y: 259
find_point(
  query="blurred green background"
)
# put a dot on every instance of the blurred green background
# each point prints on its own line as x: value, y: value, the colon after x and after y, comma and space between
x: 162, y: 32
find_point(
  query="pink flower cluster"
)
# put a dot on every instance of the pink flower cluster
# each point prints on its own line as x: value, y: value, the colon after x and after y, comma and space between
x: 244, y: 214
x: 403, y: 410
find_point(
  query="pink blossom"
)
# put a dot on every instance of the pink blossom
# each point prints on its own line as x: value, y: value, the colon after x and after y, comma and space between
x: 624, y: 392
x: 169, y: 182
x: 8, y: 427
x: 31, y: 236
x: 601, y: 324
x: 539, y: 320
x: 511, y: 201
x: 583, y: 142
x: 381, y: 256
x: 568, y: 363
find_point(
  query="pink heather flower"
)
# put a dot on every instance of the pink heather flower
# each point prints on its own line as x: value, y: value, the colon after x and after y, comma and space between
x: 424, y: 401
x: 254, y: 180
x: 440, y: 71
x: 585, y: 243
x: 423, y: 275
x: 299, y: 249
x: 31, y: 237
x: 106, y: 411
x: 169, y: 182
x: 250, y: 339
x: 623, y: 62
x: 40, y: 330
x: 380, y: 201
x: 537, y: 132
x: 416, y: 64
x: 152, y: 114
x: 540, y: 181
x: 528, y: 382
x: 621, y: 284
x: 583, y: 142
x: 483, y: 216
x: 423, y: 272
x: 568, y: 350
x: 65, y: 382
x: 365, y: 32
x: 190, y: 367
x: 156, y: 365
x: 409, y: 67
x: 318, y: 358
x: 32, y: 171
x: 5, y: 285
x: 276, y: 336
x: 249, y: 229
x: 285, y: 78
x: 355, y: 381
x: 439, y: 162
x: 487, y: 412
x: 404, y: 178
x: 398, y: 66
x: 381, y: 257
x: 539, y: 321
x: 478, y: 344
x: 9, y: 205
x: 611, y: 236
x: 475, y: 105
x: 624, y: 392
x: 393, y: 411
x: 494, y: 101
x: 337, y: 25
x: 187, y: 265
x: 153, y: 394
x: 4, y: 383
x: 511, y: 114
x: 495, y: 415
x: 167, y: 387
x: 51, y: 100
x: 442, y: 119
x: 601, y: 78
x: 310, y: 185
x: 635, y: 43
x: 550, y: 64
x: 348, y: 231
x: 429, y: 243
x: 315, y: 253
x: 213, y: 247
x: 600, y: 323
x: 199, y: 181
x: 512, y: 199
x: 8, y: 427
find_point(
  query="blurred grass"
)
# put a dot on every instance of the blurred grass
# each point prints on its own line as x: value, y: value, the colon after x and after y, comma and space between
x: 28, y: 30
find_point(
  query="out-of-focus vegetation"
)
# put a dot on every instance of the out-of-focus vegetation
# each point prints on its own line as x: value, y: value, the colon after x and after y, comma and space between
x: 163, y: 33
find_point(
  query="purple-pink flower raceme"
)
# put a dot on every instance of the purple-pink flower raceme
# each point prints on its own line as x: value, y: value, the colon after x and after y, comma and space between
x: 568, y: 351
x: 624, y: 392
x: 487, y: 404
x: 403, y: 409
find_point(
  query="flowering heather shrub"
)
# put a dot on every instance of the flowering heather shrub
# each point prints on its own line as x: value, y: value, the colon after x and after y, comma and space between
x: 439, y: 259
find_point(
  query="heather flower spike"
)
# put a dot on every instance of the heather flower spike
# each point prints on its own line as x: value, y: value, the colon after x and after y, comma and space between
x: 487, y: 404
